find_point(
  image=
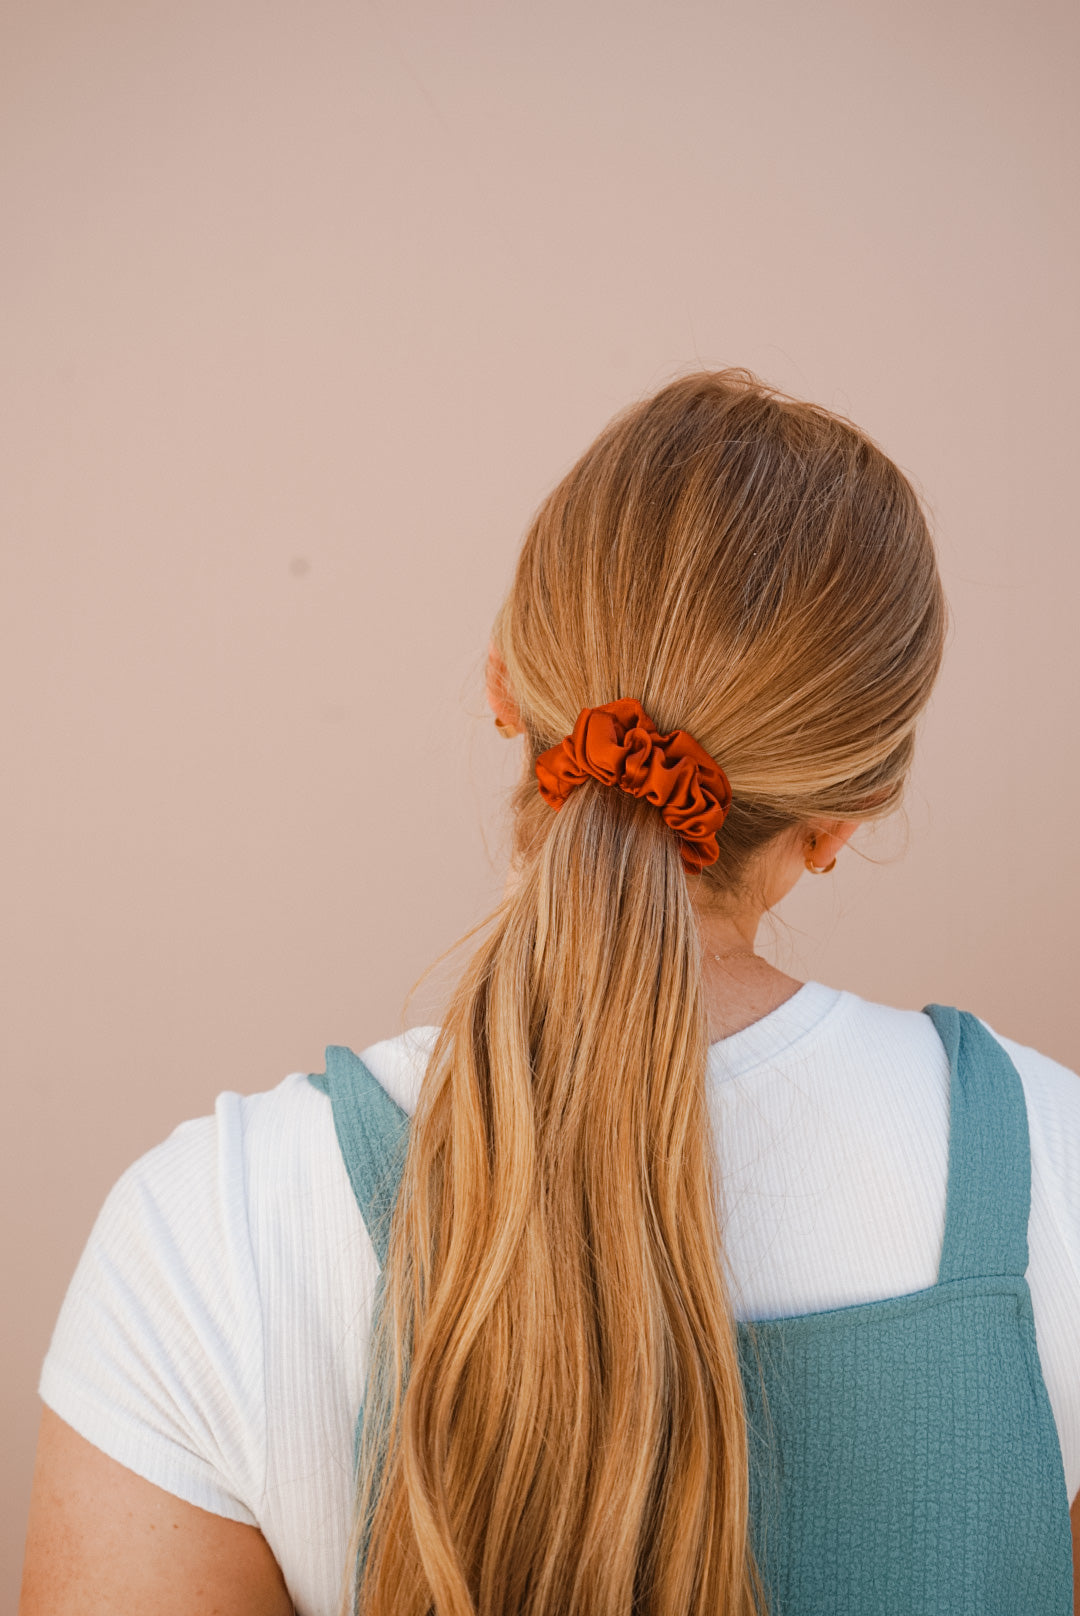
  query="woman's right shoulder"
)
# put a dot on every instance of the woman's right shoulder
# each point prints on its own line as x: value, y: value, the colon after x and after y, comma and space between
x: 1052, y: 1094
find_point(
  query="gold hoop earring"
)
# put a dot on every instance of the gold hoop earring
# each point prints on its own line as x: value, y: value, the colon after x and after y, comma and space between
x: 817, y: 869
x: 506, y: 730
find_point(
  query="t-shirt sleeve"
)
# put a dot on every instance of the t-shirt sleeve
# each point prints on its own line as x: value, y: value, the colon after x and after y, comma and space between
x: 1052, y: 1093
x: 157, y: 1354
x: 1052, y: 1096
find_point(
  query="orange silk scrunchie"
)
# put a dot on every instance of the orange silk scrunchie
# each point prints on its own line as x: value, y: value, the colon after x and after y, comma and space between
x: 619, y: 745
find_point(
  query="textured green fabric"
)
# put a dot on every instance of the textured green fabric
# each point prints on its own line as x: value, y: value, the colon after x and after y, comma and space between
x: 903, y: 1454
x: 373, y: 1132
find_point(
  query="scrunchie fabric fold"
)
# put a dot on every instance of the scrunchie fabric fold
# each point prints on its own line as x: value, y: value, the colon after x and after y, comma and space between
x: 619, y: 745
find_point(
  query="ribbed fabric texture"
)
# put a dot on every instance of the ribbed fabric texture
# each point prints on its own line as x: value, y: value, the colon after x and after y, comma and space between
x: 214, y: 1335
x: 904, y: 1453
x: 904, y: 1456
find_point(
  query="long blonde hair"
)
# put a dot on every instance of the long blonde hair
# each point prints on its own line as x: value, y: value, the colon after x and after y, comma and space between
x: 554, y: 1417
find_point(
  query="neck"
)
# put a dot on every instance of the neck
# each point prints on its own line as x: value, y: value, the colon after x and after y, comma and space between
x: 740, y: 986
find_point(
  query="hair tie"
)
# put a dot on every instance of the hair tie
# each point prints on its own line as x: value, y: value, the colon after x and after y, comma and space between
x: 619, y: 745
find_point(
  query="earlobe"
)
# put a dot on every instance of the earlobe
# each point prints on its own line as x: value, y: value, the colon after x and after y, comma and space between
x: 507, y: 718
x: 815, y: 850
x: 823, y: 845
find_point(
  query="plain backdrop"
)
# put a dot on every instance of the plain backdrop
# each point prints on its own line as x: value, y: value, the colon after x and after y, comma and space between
x: 303, y: 309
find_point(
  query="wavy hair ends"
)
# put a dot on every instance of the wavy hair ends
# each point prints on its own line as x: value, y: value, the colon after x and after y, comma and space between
x: 554, y: 1420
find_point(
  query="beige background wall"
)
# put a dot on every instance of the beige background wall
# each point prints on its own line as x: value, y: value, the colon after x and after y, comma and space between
x: 302, y: 310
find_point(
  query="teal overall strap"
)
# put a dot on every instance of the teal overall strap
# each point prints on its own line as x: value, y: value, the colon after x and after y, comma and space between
x: 373, y: 1132
x: 989, y: 1186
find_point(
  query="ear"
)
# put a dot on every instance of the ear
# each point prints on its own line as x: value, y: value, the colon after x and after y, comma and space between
x: 824, y: 838
x: 499, y: 698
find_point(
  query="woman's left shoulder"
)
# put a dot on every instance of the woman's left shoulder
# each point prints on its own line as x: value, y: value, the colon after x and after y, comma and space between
x: 157, y: 1355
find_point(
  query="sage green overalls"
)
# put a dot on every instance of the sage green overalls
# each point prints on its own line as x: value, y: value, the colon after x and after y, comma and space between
x: 903, y: 1454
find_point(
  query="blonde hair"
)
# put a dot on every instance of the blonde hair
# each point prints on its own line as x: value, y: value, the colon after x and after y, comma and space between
x: 554, y: 1417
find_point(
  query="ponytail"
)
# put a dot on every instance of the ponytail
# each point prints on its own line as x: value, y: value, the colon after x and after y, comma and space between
x: 554, y: 1374
x: 572, y: 1428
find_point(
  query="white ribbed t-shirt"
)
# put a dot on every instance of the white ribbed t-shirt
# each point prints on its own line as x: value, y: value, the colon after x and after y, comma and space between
x: 213, y: 1338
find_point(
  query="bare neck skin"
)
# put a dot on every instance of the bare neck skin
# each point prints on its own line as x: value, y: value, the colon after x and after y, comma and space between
x: 740, y: 987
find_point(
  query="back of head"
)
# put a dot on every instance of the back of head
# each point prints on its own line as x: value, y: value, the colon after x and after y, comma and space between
x: 755, y: 571
x: 556, y: 1364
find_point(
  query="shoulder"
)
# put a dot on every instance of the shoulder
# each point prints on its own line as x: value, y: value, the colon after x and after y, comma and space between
x: 217, y: 1257
x: 198, y: 1198
x: 1042, y: 1073
x: 399, y: 1063
x: 1052, y: 1096
x: 1052, y: 1088
x: 862, y: 1033
x: 230, y: 1203
x: 157, y: 1354
x: 259, y: 1159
